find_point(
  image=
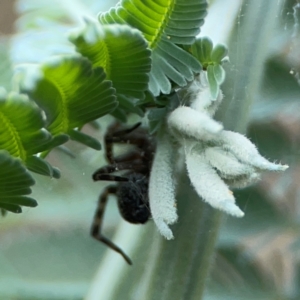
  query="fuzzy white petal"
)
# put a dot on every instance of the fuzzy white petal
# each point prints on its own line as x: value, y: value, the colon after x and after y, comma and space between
x: 162, y: 187
x: 164, y: 229
x: 200, y: 91
x: 243, y: 181
x: 246, y: 152
x: 193, y: 123
x: 226, y: 163
x: 209, y: 185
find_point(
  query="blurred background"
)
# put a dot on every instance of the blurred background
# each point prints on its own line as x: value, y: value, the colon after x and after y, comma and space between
x: 47, y: 253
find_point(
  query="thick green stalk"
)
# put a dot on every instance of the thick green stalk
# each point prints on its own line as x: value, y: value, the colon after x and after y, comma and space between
x: 179, y: 269
x: 248, y: 50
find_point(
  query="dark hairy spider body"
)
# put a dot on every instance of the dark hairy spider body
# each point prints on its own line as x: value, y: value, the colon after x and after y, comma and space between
x: 131, y: 188
x: 134, y: 202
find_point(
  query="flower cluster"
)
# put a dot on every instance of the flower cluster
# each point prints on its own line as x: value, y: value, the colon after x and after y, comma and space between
x: 216, y: 160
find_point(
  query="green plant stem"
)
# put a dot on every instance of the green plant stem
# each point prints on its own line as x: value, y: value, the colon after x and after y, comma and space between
x: 248, y: 50
x: 179, y: 269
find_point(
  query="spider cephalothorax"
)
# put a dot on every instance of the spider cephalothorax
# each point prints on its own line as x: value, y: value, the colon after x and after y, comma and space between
x: 132, y: 187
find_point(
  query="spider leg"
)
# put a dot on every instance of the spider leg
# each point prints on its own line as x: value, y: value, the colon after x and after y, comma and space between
x: 109, y: 177
x: 97, y: 222
x: 136, y: 138
x: 113, y: 136
x: 140, y: 161
x: 104, y: 172
x: 123, y: 132
x: 134, y: 155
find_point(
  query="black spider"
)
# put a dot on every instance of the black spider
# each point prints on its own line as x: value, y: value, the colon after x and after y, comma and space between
x: 132, y: 187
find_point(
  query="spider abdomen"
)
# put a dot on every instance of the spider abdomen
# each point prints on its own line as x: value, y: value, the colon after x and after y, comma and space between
x: 133, y: 199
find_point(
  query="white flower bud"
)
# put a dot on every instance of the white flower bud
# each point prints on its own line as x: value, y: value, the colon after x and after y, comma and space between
x: 242, y: 181
x: 215, y: 158
x: 192, y: 123
x: 209, y: 185
x: 200, y: 96
x: 246, y: 152
x: 226, y: 163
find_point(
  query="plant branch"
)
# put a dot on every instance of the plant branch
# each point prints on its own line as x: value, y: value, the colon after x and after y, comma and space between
x: 179, y: 269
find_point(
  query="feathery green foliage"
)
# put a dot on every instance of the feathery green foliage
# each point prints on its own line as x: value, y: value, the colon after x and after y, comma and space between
x: 123, y: 54
x: 15, y: 184
x: 166, y: 25
x: 121, y: 51
x: 72, y: 94
x: 23, y: 134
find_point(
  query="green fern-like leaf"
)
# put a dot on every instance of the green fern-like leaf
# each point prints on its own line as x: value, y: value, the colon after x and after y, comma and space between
x: 71, y: 93
x: 121, y: 51
x: 164, y: 24
x: 22, y: 131
x: 42, y: 167
x: 15, y: 182
x: 21, y: 126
